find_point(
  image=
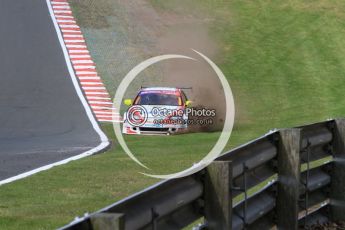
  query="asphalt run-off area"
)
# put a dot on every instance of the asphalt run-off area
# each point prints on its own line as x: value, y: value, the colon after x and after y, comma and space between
x: 45, y: 120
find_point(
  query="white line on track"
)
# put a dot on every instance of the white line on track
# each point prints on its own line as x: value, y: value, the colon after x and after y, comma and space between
x: 84, y: 67
x: 64, y: 20
x: 108, y: 115
x: 59, y: 3
x: 100, y: 102
x: 91, y: 83
x: 105, y: 98
x: 89, y: 78
x: 64, y: 17
x: 78, y: 51
x: 118, y: 119
x: 69, y: 26
x: 95, y: 93
x: 69, y: 45
x: 65, y: 7
x: 73, y: 36
x: 74, y: 41
x: 71, y: 31
x: 86, y: 88
x: 86, y: 72
x: 75, y: 46
x: 83, y: 61
x: 63, y: 11
x: 88, y: 75
x: 80, y: 56
x: 55, y: 4
x: 102, y: 120
x: 105, y: 112
x: 103, y: 107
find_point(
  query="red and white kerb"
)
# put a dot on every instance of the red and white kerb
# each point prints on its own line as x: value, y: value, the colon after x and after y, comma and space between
x: 83, y: 65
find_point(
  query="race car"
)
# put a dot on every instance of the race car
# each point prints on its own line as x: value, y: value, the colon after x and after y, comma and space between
x: 156, y: 110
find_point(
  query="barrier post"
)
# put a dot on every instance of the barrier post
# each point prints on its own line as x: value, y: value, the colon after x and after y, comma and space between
x: 218, y: 200
x: 107, y: 221
x: 337, y: 193
x: 289, y: 178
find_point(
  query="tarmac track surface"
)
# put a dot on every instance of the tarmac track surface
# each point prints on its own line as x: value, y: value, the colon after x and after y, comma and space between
x: 42, y: 118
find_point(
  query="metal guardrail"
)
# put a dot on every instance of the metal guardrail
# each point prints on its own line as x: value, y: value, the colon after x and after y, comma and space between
x: 287, y: 179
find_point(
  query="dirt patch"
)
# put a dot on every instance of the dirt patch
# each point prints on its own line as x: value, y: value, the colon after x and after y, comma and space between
x: 161, y: 32
x: 92, y: 14
x: 128, y: 32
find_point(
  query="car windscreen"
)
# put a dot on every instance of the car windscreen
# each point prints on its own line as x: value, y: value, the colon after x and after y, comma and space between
x: 158, y: 99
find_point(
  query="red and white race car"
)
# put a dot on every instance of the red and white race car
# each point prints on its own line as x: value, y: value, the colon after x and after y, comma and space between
x: 156, y: 110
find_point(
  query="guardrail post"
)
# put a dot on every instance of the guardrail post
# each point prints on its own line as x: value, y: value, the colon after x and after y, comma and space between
x: 338, y: 172
x: 218, y: 202
x: 289, y: 178
x: 107, y: 221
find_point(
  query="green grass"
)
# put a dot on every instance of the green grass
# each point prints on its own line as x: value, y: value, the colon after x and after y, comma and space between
x: 285, y: 62
x: 53, y: 198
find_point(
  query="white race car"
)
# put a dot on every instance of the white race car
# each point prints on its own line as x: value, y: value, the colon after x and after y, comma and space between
x: 156, y: 110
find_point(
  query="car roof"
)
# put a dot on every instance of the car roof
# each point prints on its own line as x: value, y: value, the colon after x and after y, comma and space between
x: 160, y: 89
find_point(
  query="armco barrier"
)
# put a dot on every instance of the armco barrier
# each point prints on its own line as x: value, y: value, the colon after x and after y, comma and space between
x: 287, y: 179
